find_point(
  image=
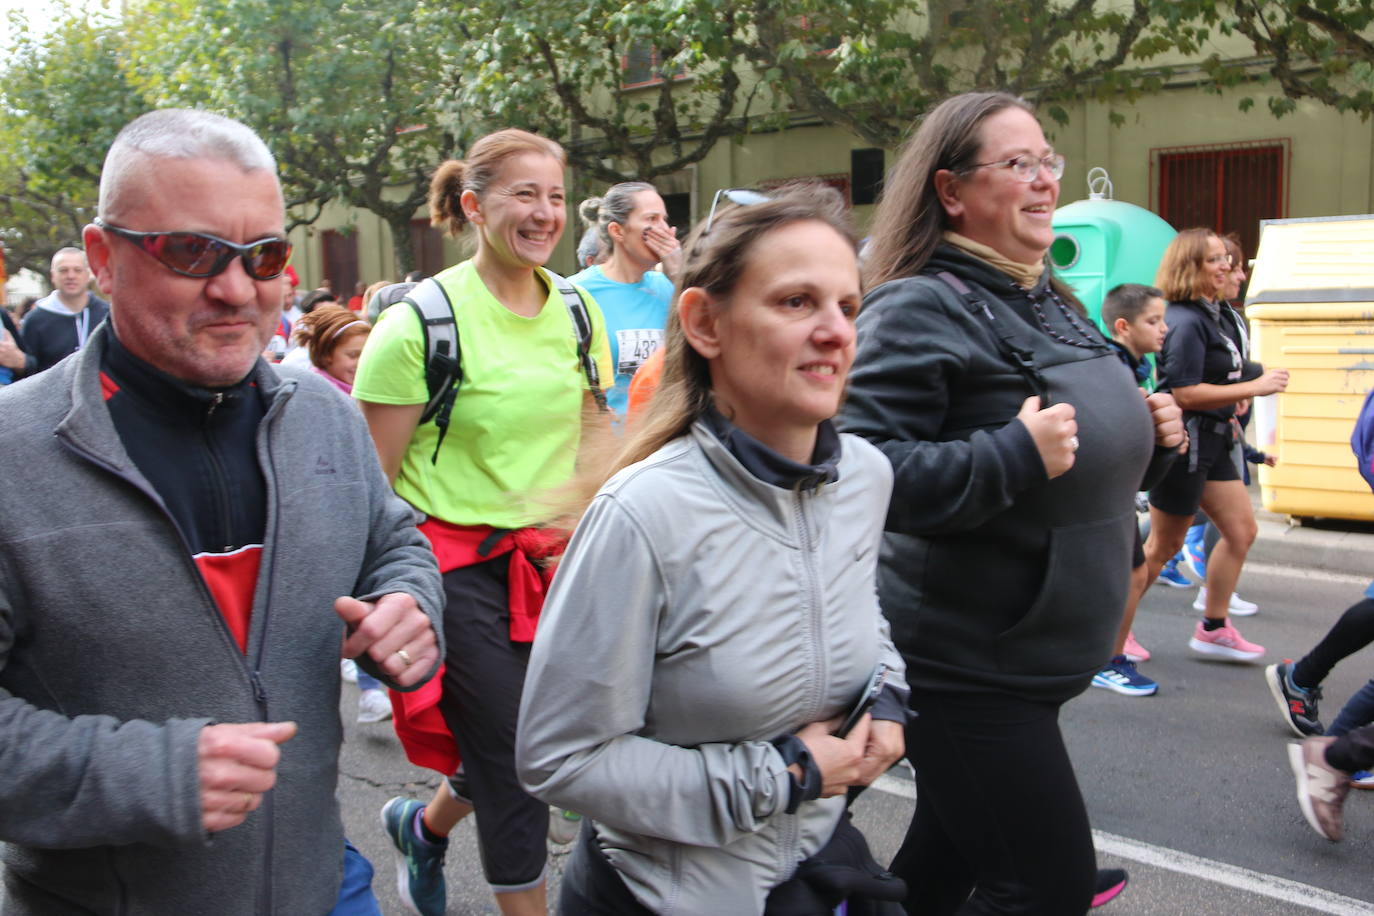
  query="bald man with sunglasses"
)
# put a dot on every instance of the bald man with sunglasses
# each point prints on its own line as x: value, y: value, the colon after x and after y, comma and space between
x: 191, y: 539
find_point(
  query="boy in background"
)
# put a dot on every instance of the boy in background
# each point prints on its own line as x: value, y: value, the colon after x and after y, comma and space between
x: 1134, y: 316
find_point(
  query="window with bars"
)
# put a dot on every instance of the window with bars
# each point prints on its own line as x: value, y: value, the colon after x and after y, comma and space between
x: 1226, y: 187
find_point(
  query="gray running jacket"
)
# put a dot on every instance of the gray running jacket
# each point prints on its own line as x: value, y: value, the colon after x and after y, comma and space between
x: 114, y: 655
x: 698, y: 614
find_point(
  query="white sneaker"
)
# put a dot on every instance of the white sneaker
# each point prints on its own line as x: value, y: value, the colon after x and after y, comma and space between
x: 348, y: 669
x: 563, y: 825
x: 1239, y: 606
x: 373, y: 706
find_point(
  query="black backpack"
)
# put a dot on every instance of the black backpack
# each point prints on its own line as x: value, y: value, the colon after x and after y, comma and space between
x: 443, y: 354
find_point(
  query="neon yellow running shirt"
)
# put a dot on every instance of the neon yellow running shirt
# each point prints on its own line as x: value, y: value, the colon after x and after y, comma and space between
x: 516, y: 421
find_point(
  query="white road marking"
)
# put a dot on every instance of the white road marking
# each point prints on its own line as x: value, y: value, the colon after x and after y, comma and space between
x: 1253, y: 882
x: 1302, y: 572
x: 895, y: 785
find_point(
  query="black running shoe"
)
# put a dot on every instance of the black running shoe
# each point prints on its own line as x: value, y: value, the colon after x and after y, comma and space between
x: 1298, y: 706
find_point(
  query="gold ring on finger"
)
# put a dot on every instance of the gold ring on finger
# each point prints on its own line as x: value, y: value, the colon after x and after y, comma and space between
x: 405, y: 657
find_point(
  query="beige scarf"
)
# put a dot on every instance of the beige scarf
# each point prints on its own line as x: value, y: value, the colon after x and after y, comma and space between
x: 1025, y: 275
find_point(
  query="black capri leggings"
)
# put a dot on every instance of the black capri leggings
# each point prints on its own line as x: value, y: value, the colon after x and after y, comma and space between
x: 483, y: 675
x: 1000, y: 825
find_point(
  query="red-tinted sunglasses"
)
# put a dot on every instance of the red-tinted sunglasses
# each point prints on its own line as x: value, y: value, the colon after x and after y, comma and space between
x: 195, y: 254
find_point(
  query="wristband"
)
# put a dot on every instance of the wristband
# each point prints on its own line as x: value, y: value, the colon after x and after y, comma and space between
x: 808, y: 788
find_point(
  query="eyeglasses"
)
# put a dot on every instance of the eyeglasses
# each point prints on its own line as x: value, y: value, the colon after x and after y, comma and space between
x: 744, y: 197
x: 196, y: 254
x: 1025, y: 168
x: 1221, y: 259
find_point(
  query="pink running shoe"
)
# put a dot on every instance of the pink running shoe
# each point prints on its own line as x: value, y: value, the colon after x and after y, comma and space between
x: 1134, y: 651
x: 1224, y: 642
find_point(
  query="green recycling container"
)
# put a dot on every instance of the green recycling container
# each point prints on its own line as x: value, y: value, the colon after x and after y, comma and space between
x: 1100, y: 243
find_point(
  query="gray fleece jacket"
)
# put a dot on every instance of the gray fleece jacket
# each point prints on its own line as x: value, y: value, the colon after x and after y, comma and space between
x: 113, y: 655
x: 698, y: 614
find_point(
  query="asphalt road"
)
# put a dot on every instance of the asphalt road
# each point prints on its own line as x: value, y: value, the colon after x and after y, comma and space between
x: 1189, y: 790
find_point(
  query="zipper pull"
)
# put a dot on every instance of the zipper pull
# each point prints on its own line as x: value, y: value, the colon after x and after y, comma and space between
x: 259, y: 692
x: 216, y: 399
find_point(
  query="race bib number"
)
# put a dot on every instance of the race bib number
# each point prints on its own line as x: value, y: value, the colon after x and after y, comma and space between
x: 635, y: 346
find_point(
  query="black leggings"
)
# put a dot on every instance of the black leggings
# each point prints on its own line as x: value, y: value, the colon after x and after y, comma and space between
x: 1351, y: 633
x: 1000, y: 825
x: 484, y: 673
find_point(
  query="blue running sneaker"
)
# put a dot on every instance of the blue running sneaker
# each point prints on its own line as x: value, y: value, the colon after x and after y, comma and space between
x: 1172, y: 576
x: 419, y: 863
x: 1120, y: 675
x: 1194, y: 552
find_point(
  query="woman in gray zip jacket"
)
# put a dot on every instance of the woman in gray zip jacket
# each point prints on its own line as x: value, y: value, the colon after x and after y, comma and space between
x: 715, y: 611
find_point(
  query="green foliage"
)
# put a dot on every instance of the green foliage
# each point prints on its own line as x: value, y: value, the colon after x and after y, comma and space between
x: 560, y: 67
x: 1319, y: 50
x: 875, y: 66
x: 343, y: 91
x: 361, y: 99
x: 64, y: 97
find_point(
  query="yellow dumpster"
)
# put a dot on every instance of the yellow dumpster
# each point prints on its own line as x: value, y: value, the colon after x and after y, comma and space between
x: 1311, y: 308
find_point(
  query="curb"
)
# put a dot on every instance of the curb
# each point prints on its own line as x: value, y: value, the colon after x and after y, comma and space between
x: 1284, y: 544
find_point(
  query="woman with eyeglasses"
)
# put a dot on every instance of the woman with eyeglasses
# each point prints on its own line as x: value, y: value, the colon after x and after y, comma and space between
x: 1202, y: 536
x: 1018, y: 442
x: 631, y: 223
x: 714, y: 616
x: 513, y: 435
x: 1204, y: 365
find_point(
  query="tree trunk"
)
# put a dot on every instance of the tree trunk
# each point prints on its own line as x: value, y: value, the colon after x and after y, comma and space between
x: 401, y: 243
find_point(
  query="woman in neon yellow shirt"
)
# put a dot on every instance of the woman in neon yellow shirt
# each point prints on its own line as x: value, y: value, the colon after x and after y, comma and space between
x: 514, y: 431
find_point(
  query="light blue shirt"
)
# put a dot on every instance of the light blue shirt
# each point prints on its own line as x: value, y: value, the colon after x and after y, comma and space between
x: 636, y: 314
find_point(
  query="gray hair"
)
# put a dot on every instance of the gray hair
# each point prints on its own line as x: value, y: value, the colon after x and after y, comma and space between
x: 180, y: 133
x: 52, y: 265
x: 615, y: 207
x: 588, y: 249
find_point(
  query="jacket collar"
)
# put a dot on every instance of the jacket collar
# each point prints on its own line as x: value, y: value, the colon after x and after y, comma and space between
x: 1139, y: 367
x: 772, y: 468
x: 87, y: 426
x: 948, y: 257
x: 755, y: 500
x: 176, y: 401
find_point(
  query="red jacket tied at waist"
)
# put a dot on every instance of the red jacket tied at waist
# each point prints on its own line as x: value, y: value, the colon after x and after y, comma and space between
x: 419, y: 724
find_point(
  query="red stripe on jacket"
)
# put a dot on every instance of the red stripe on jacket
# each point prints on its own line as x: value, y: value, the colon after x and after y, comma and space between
x: 232, y: 579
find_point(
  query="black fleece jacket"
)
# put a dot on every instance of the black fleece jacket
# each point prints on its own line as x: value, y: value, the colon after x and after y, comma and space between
x: 994, y: 577
x: 50, y: 337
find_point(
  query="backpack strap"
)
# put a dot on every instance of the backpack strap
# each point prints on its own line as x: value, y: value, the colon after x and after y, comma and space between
x: 1020, y: 357
x: 443, y: 358
x: 582, y: 330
